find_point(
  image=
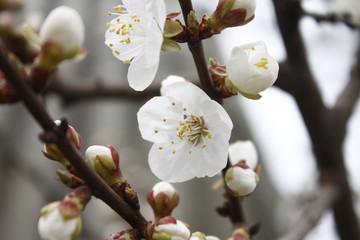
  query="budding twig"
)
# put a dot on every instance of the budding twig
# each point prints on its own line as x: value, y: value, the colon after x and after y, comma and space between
x: 99, y: 187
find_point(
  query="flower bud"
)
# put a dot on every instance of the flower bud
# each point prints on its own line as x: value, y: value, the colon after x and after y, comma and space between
x: 231, y: 13
x: 64, y: 28
x: 240, y: 233
x: 105, y: 161
x: 57, y: 223
x: 52, y: 152
x: 251, y: 69
x: 241, y: 180
x: 163, y: 198
x: 244, y: 151
x: 169, y: 228
x: 131, y: 234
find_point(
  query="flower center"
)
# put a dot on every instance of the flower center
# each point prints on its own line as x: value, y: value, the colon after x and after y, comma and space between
x: 193, y: 129
x: 263, y: 63
x: 128, y: 26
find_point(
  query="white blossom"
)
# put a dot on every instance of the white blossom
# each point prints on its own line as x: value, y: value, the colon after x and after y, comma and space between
x: 96, y: 151
x: 136, y: 37
x: 243, y: 151
x: 53, y: 226
x: 251, y: 69
x: 168, y: 81
x: 190, y: 133
x: 64, y: 27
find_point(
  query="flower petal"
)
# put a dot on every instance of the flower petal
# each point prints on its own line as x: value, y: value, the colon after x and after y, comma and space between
x: 139, y: 76
x: 151, y: 119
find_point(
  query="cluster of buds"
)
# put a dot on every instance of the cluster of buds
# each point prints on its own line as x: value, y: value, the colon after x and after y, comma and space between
x: 61, y: 220
x: 52, y: 152
x: 163, y: 199
x: 241, y: 178
x: 105, y: 161
x: 230, y: 13
x: 250, y: 70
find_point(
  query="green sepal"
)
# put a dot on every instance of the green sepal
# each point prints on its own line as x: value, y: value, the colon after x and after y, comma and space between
x: 169, y: 45
x: 250, y: 96
x: 172, y: 28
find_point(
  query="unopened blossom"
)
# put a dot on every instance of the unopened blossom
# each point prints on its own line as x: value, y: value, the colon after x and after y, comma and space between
x: 65, y: 28
x: 251, y: 69
x: 169, y: 228
x: 190, y: 133
x: 163, y: 198
x: 135, y: 36
x: 241, y: 180
x: 231, y: 13
x: 243, y: 151
x: 55, y: 225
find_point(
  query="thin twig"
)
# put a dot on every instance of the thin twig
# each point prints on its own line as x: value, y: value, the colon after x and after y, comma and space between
x: 333, y: 18
x: 313, y: 212
x: 99, y: 187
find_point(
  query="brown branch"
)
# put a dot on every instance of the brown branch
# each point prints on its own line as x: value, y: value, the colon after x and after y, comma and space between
x: 327, y: 146
x: 313, y: 212
x: 71, y: 93
x: 99, y: 187
x: 197, y: 51
x: 333, y: 18
x: 345, y: 104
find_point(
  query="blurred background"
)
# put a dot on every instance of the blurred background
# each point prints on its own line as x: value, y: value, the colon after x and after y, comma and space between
x: 289, y: 176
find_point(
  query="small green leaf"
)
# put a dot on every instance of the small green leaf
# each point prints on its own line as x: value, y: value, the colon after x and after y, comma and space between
x: 170, y: 45
x: 172, y: 28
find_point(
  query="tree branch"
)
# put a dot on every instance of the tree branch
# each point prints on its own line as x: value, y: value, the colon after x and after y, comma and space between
x: 327, y: 146
x: 333, y: 18
x: 312, y: 213
x: 98, y: 186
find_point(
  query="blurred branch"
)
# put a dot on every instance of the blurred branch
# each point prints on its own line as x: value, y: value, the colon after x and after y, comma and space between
x: 99, y: 187
x: 327, y: 146
x: 333, y: 18
x: 348, y: 98
x: 312, y: 213
x: 71, y: 93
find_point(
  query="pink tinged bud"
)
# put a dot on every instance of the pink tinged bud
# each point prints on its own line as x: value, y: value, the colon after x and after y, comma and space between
x: 131, y: 234
x: 244, y: 151
x: 231, y: 13
x: 58, y: 222
x: 219, y: 80
x: 241, y: 180
x: 251, y: 69
x: 169, y: 228
x: 104, y: 160
x: 163, y: 198
x: 65, y: 28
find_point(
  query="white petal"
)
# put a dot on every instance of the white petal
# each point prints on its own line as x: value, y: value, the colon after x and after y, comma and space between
x: 189, y: 94
x: 151, y: 119
x: 158, y: 10
x: 139, y: 76
x: 154, y: 39
x: 168, y: 81
x: 135, y: 7
x: 163, y: 187
x: 238, y: 67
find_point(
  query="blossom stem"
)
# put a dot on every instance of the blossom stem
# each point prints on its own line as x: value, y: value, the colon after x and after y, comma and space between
x: 99, y: 188
x: 197, y: 51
